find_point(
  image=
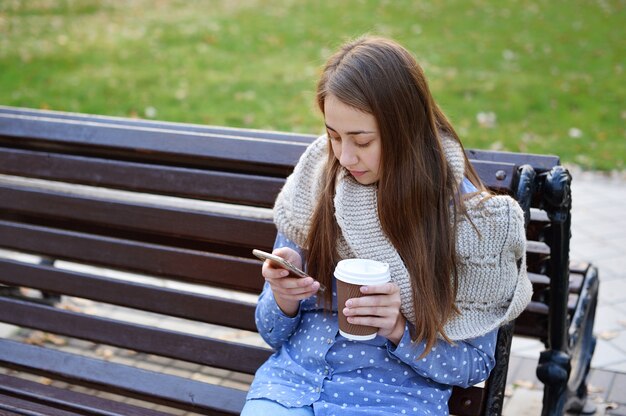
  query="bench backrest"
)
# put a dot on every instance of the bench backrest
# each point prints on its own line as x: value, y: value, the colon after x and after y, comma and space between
x: 154, y: 198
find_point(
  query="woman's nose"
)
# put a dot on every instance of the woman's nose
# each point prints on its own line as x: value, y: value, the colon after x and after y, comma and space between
x: 348, y: 155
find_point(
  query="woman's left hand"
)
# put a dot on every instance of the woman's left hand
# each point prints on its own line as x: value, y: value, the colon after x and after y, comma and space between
x: 380, y: 308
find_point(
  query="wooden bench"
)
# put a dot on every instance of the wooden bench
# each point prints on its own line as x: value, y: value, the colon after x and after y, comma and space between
x: 187, y: 203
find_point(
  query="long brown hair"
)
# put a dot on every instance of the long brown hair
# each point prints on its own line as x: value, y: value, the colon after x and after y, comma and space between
x: 416, y: 187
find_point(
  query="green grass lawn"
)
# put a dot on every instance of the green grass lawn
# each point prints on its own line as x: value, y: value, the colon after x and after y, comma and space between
x: 542, y: 76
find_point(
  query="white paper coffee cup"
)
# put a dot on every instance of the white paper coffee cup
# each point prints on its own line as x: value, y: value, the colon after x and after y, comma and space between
x: 351, y: 274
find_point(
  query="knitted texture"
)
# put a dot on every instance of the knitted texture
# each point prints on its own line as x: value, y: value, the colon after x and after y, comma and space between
x: 491, y: 290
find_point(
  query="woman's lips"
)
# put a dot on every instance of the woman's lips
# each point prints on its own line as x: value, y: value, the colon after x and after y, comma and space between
x: 357, y: 173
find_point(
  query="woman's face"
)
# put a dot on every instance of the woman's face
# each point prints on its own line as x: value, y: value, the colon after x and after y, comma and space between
x: 355, y: 140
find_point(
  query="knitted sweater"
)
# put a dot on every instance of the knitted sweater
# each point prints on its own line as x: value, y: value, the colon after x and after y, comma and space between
x: 493, y: 287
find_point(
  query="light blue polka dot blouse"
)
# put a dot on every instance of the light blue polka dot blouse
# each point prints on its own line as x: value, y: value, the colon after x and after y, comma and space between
x: 315, y: 366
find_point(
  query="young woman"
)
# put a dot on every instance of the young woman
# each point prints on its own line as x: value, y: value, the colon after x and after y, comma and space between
x: 390, y: 182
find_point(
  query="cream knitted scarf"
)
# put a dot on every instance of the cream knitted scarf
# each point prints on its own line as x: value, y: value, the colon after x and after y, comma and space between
x: 492, y: 289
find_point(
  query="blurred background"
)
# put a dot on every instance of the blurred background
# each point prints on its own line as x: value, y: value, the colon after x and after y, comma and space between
x: 538, y: 76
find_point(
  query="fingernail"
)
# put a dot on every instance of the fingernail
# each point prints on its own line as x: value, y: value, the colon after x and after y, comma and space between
x: 364, y: 289
x: 349, y: 303
x: 284, y: 273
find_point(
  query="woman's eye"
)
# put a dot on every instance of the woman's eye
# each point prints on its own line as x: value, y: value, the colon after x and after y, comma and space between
x: 334, y: 138
x: 363, y: 144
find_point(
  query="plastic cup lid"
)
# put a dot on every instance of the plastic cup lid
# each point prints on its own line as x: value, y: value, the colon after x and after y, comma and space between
x: 362, y: 271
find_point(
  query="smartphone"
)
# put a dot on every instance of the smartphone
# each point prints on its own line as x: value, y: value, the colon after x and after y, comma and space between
x: 283, y: 263
x: 280, y: 261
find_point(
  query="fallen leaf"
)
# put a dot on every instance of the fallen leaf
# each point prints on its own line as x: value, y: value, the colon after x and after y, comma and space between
x: 486, y: 119
x: 45, y: 380
x: 150, y: 112
x: 594, y: 389
x: 36, y: 338
x: 607, y: 335
x: 55, y: 339
x: 70, y: 307
x: 105, y: 353
x: 248, y: 119
x: 508, y: 55
x: 575, y: 133
x: 81, y: 301
x: 527, y: 384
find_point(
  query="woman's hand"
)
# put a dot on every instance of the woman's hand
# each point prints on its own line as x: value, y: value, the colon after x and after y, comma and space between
x: 288, y: 290
x: 380, y: 309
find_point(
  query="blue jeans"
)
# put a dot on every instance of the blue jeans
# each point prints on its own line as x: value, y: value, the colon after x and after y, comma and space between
x: 262, y: 407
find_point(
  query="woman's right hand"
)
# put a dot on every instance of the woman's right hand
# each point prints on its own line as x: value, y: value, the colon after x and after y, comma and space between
x: 288, y: 290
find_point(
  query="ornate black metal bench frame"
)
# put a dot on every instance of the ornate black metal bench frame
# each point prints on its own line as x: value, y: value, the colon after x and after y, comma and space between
x: 182, y: 241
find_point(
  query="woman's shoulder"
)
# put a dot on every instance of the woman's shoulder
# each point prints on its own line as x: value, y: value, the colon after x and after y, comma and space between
x: 501, y: 212
x: 496, y: 221
x: 504, y: 206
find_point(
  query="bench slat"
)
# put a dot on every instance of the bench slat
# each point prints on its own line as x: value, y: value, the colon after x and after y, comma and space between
x: 581, y: 267
x: 137, y: 143
x: 246, y: 189
x: 268, y: 134
x: 14, y: 406
x: 182, y: 346
x: 136, y: 216
x: 541, y: 281
x: 537, y: 247
x: 538, y: 162
x: 119, y: 378
x: 28, y: 392
x: 175, y: 263
x: 533, y: 321
x: 203, y: 308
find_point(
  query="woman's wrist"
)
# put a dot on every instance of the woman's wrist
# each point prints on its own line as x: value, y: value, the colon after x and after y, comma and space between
x: 398, y: 331
x: 288, y: 307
